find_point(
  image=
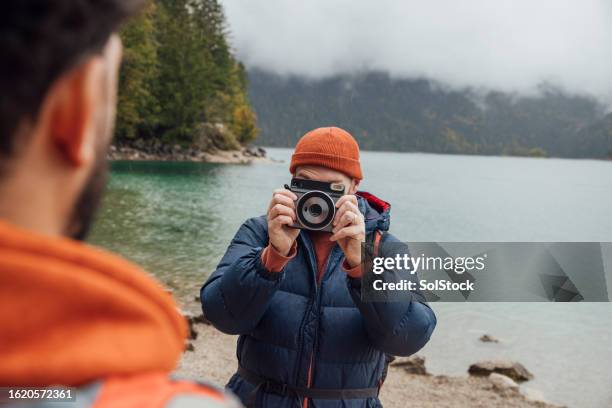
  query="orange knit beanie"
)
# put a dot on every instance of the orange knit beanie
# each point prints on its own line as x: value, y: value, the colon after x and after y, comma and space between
x: 329, y: 147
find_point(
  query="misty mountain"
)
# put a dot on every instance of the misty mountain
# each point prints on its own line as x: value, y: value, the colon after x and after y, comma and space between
x: 385, y: 113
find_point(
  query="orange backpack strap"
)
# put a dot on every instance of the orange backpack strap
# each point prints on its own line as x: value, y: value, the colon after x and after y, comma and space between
x: 83, y: 397
x: 140, y: 391
x: 158, y: 391
x: 376, y: 244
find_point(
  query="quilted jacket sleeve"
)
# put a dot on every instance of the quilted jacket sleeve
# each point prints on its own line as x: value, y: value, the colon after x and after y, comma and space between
x: 398, y: 328
x: 236, y: 295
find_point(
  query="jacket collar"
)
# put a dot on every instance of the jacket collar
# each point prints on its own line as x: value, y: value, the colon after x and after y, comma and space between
x: 377, y: 212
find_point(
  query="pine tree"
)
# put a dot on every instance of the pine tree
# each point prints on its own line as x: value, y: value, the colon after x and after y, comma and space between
x: 180, y: 78
x: 137, y: 105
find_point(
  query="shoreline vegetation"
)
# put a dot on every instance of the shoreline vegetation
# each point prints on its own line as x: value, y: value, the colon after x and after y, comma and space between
x: 211, y: 356
x: 181, y: 85
x: 160, y: 152
x: 182, y: 92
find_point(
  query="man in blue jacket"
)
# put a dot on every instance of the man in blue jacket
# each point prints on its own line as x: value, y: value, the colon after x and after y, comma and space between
x: 294, y: 295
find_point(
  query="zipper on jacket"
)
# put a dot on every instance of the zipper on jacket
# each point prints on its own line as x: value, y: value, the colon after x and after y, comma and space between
x: 315, y: 344
x: 308, y: 247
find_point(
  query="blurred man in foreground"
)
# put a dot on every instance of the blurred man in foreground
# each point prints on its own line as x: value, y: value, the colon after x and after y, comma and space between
x: 70, y: 314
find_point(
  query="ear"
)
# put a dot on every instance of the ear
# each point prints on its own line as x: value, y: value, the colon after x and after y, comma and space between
x: 354, y: 185
x: 73, y: 103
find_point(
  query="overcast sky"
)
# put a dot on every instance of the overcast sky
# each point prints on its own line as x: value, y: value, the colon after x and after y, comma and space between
x: 509, y: 45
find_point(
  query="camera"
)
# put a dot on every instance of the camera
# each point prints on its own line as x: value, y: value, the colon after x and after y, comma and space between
x: 315, y: 206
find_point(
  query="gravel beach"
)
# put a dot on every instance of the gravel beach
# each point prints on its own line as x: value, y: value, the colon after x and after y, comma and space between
x: 214, y: 359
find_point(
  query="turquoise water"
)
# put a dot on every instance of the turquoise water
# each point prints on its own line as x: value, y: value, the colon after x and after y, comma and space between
x: 176, y: 219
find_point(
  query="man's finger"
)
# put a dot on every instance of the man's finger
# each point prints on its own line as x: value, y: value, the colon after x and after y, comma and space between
x: 278, y: 198
x: 346, y: 198
x: 340, y: 213
x: 285, y: 192
x: 347, y: 206
x: 283, y: 220
x: 280, y: 209
x: 347, y: 218
x: 281, y: 192
x: 354, y: 232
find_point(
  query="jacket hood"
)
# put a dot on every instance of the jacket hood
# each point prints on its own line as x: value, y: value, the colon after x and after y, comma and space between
x: 376, y: 211
x: 71, y: 314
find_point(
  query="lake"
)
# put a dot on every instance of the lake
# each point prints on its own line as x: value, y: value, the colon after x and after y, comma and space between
x: 176, y: 219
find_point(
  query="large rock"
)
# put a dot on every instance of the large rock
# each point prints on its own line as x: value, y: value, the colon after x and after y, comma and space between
x: 534, y: 395
x: 502, y: 382
x: 254, y: 151
x: 412, y: 365
x: 487, y: 338
x: 192, y: 320
x: 511, y: 369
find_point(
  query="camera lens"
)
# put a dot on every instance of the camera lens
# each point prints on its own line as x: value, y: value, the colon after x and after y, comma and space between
x: 315, y: 210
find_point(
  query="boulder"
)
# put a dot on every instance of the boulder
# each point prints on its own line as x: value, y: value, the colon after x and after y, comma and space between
x: 533, y: 395
x: 139, y: 144
x: 254, y: 151
x: 192, y: 320
x: 501, y: 382
x: 514, y: 370
x: 412, y: 365
x: 487, y: 338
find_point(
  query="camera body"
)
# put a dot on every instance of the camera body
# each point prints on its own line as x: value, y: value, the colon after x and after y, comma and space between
x: 315, y: 207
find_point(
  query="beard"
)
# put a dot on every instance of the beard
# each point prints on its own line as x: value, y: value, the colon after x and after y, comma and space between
x: 87, y: 203
x: 86, y: 206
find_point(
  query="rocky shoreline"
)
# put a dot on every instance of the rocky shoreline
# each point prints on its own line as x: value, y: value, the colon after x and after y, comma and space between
x: 156, y: 151
x: 211, y: 355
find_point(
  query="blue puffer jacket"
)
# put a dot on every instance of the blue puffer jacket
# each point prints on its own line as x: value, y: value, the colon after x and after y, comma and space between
x: 287, y: 322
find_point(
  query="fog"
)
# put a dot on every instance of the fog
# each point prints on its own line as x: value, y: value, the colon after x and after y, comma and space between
x: 511, y: 45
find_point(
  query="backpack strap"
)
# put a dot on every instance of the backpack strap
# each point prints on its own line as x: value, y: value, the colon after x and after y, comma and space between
x: 372, y: 244
x: 151, y: 390
x: 376, y: 245
x: 156, y: 390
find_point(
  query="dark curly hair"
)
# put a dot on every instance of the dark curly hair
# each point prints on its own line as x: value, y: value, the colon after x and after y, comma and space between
x: 39, y: 41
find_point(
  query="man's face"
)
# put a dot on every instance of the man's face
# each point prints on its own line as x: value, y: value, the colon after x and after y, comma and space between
x: 104, y: 121
x: 320, y: 173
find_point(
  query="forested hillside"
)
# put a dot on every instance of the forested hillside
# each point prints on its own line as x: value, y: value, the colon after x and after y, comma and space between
x: 418, y: 115
x: 180, y: 83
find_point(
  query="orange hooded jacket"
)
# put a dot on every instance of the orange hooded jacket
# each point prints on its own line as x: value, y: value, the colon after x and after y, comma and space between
x: 71, y: 314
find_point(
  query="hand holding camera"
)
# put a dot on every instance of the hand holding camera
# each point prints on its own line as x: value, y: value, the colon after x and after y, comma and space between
x: 281, y: 216
x: 349, y: 229
x: 322, y: 206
